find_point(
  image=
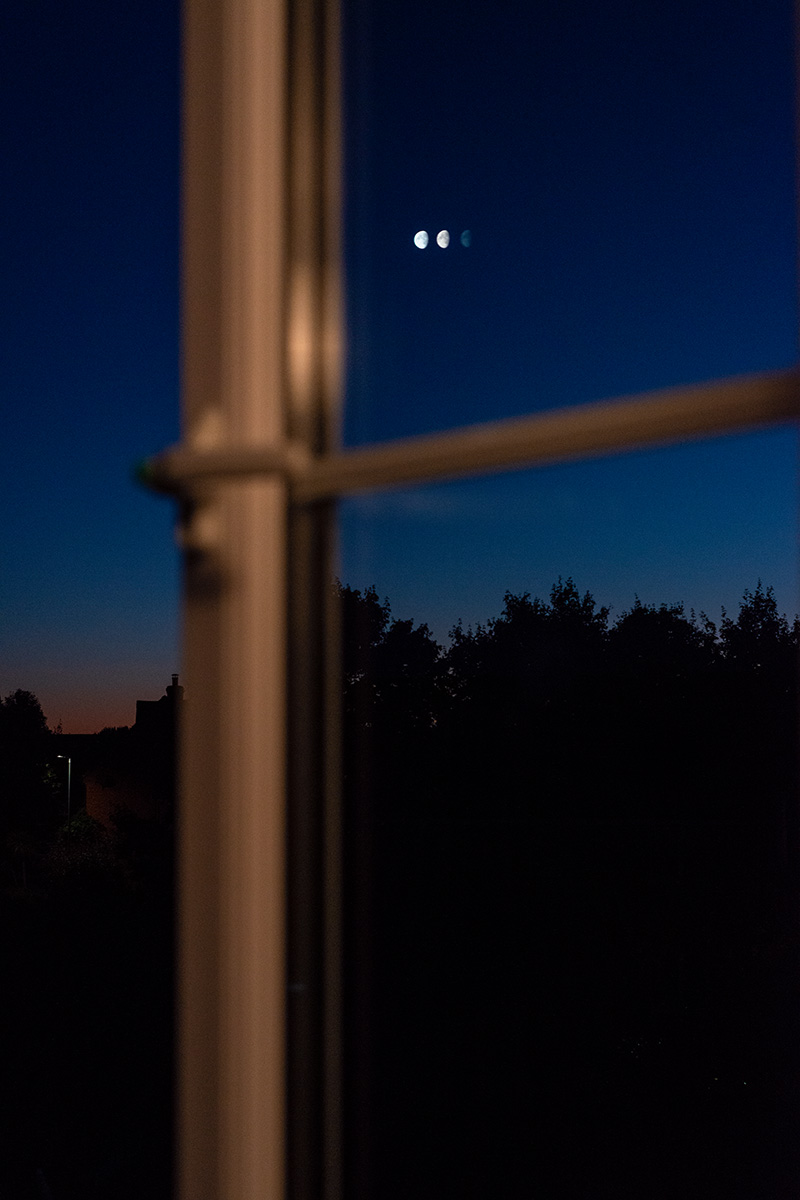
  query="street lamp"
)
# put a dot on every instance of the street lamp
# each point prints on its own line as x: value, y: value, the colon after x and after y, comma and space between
x: 69, y: 783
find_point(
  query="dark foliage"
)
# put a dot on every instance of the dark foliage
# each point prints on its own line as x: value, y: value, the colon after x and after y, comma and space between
x: 551, y: 709
x: 27, y: 780
x: 573, y: 862
x: 86, y: 958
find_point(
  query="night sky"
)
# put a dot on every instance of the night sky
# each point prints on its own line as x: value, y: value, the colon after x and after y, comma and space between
x: 626, y: 173
x: 89, y: 212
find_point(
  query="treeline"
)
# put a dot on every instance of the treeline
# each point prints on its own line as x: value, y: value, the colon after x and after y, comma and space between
x: 571, y: 873
x: 552, y: 709
x: 571, y: 856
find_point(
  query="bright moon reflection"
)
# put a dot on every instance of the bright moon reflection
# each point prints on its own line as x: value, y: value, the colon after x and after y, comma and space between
x: 421, y: 238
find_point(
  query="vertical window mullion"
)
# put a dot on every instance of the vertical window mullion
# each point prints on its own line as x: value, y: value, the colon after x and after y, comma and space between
x: 314, y: 342
x: 231, y: 1122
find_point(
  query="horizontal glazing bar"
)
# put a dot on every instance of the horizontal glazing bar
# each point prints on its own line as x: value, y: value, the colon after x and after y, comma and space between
x: 590, y: 430
x: 179, y: 470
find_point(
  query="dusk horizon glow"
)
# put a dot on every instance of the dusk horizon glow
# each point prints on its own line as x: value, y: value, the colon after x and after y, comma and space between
x: 634, y: 193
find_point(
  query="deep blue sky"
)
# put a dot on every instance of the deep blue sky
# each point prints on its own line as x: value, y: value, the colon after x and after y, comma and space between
x: 627, y: 173
x: 89, y: 213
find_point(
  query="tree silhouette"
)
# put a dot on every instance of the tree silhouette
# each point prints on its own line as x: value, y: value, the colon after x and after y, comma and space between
x: 519, y: 688
x: 391, y: 688
x: 655, y: 719
x: 578, y: 862
x: 756, y: 716
x: 27, y: 785
x: 760, y: 639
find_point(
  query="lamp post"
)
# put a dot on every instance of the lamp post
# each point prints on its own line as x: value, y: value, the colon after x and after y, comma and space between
x: 69, y: 784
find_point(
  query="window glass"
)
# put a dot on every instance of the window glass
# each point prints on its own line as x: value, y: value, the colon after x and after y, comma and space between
x: 90, y: 143
x: 601, y: 197
x: 571, y: 840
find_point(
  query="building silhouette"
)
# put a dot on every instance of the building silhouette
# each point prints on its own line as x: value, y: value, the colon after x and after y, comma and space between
x: 130, y: 769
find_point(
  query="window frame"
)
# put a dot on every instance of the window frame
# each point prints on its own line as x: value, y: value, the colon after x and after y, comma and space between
x: 257, y: 475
